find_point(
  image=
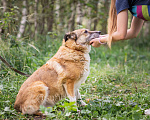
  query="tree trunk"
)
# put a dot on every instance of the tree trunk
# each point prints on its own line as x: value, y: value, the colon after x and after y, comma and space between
x: 79, y: 13
x: 35, y: 19
x: 105, y: 10
x: 146, y: 29
x: 71, y: 22
x: 42, y: 21
x: 23, y: 20
x: 50, y: 15
x: 95, y: 14
x: 89, y: 19
x: 4, y: 4
x: 61, y: 15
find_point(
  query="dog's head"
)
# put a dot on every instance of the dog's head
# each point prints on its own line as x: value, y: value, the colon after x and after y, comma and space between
x: 79, y: 39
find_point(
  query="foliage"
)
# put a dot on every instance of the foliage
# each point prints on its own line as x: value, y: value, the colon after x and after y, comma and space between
x: 51, y: 15
x: 117, y: 88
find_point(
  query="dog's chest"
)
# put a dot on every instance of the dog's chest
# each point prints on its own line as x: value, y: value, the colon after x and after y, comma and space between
x: 85, y: 73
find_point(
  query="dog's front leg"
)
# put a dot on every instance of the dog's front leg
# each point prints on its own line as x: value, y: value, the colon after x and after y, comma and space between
x: 69, y: 87
x: 78, y: 96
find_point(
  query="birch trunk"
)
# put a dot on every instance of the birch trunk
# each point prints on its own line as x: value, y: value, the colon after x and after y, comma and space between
x: 71, y: 22
x: 23, y: 20
x: 35, y: 19
x: 89, y: 22
x: 61, y: 15
x: 50, y: 17
x: 42, y: 21
x: 4, y: 4
x: 96, y: 13
x: 146, y: 29
x: 105, y: 16
x: 79, y: 13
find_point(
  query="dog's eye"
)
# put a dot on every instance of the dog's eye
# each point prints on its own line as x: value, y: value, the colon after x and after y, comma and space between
x: 85, y: 31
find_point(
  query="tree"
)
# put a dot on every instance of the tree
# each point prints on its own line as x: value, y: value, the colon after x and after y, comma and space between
x: 146, y: 29
x: 79, y: 13
x: 71, y: 22
x: 35, y: 18
x: 23, y: 20
x: 4, y: 4
x: 50, y: 14
x: 95, y: 15
x: 42, y: 20
x: 104, y: 15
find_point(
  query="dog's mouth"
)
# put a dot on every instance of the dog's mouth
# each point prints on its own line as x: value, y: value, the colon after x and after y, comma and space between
x: 90, y: 35
x: 93, y: 36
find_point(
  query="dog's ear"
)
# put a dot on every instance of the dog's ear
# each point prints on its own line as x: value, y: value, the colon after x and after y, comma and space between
x: 70, y: 35
x: 67, y: 36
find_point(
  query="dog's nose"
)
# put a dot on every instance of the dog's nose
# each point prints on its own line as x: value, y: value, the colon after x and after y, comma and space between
x: 99, y: 32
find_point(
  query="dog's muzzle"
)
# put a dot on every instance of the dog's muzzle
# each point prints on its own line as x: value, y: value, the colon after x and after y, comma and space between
x: 94, y: 35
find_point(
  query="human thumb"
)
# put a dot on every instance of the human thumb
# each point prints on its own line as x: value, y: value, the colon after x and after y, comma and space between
x: 91, y: 42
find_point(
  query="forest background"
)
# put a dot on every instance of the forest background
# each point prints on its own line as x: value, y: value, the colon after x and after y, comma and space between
x: 31, y: 32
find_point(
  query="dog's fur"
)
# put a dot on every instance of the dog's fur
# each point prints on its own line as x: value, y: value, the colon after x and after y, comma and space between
x: 60, y: 77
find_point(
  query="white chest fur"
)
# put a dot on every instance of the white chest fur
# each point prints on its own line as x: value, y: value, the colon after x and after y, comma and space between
x: 85, y: 72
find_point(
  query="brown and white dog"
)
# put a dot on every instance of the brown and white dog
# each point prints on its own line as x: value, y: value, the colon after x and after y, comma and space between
x: 61, y: 76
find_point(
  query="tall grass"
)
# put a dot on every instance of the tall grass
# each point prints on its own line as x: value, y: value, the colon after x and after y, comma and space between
x: 118, y: 86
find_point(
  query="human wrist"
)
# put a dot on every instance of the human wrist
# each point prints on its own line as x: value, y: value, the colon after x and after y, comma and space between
x: 101, y: 41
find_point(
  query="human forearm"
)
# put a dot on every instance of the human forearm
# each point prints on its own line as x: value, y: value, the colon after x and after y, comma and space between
x: 133, y: 32
x: 117, y: 37
x: 122, y: 32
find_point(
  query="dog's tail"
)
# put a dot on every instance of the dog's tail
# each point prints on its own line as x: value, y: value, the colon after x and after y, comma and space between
x: 17, y: 71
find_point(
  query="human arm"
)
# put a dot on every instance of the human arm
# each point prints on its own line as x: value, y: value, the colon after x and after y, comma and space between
x: 122, y: 32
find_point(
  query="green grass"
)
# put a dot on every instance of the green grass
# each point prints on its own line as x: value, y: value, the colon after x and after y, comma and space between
x: 118, y: 87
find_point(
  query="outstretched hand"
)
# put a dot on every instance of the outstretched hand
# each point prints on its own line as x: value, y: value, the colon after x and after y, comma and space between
x: 95, y: 42
x: 98, y: 41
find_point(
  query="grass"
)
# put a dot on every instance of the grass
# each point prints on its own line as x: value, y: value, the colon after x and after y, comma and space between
x: 117, y: 88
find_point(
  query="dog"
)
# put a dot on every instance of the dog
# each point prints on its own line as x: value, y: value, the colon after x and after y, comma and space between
x: 60, y: 77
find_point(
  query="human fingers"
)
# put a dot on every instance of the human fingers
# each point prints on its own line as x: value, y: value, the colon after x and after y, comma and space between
x: 91, y: 42
x: 95, y: 42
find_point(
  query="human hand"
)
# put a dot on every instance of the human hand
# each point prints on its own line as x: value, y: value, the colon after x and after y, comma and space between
x: 98, y: 41
x: 95, y: 42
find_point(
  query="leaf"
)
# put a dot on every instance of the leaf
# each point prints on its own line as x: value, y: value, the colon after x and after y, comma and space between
x: 1, y: 113
x: 7, y: 101
x: 7, y: 109
x: 46, y: 110
x: 16, y: 7
x: 52, y: 115
x: 85, y: 111
x: 1, y: 87
x: 120, y: 104
x: 95, y: 114
x: 68, y: 114
x: 107, y: 101
x: 147, y: 112
x: 33, y: 47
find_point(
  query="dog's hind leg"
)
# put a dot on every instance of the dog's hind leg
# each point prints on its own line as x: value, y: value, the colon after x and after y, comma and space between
x: 78, y: 97
x: 33, y: 97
